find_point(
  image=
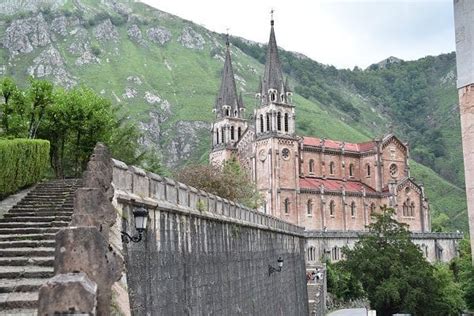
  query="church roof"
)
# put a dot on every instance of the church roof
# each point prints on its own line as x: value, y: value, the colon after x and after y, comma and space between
x: 273, y: 75
x: 335, y: 144
x: 228, y: 91
x: 334, y: 185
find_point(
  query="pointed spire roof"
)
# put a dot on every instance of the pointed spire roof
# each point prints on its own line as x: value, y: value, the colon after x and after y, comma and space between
x: 228, y: 91
x: 273, y: 76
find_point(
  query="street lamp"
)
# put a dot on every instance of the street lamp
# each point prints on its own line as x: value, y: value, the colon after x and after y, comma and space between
x: 141, y: 219
x: 272, y: 269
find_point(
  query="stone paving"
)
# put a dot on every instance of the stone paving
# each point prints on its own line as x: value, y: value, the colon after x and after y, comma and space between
x: 27, y: 243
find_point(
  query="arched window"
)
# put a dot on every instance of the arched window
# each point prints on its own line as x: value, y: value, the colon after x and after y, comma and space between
x: 309, y: 207
x: 351, y: 170
x: 222, y: 136
x: 311, y: 166
x: 239, y: 132
x: 235, y: 113
x: 287, y: 205
x: 268, y: 122
x: 311, y: 254
x: 332, y: 208
x: 331, y: 168
x: 272, y: 96
x: 227, y: 112
x: 353, y: 209
x: 261, y: 123
x: 335, y: 253
x: 286, y: 122
x: 279, y: 121
x: 217, y: 136
x: 372, y: 208
x: 368, y: 170
x: 405, y: 208
x: 412, y: 209
x: 232, y: 133
x: 282, y: 98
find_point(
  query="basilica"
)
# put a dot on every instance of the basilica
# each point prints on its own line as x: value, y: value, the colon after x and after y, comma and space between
x: 329, y: 187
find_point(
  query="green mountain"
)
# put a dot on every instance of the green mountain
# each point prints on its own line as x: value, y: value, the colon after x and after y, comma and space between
x: 163, y: 72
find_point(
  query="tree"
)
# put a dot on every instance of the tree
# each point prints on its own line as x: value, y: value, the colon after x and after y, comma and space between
x: 464, y: 272
x: 229, y: 182
x: 394, y: 273
x: 39, y: 97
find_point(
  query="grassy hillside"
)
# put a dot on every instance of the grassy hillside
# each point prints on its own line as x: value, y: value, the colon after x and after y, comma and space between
x: 163, y: 72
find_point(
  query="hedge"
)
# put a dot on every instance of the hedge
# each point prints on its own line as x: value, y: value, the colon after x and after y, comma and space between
x: 22, y: 163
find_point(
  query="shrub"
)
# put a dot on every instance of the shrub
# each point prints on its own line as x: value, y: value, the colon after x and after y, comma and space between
x: 22, y: 163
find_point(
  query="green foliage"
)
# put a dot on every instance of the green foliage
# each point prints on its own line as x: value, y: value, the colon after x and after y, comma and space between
x: 395, y: 275
x: 342, y: 284
x: 229, y: 182
x: 464, y: 272
x: 23, y: 163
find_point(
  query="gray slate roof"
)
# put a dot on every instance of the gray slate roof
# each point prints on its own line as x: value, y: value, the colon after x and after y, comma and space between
x: 228, y: 91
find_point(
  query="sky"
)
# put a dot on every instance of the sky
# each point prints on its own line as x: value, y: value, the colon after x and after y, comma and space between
x: 343, y: 33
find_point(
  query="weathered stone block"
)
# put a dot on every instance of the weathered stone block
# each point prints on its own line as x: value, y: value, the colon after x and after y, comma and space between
x: 141, y: 185
x: 68, y: 293
x: 85, y: 249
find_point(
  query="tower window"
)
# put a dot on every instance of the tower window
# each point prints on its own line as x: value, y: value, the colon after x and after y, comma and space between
x: 227, y: 112
x: 222, y: 135
x: 351, y: 170
x: 287, y: 206
x: 332, y: 208
x: 272, y: 96
x: 353, y: 209
x: 368, y: 170
x: 232, y: 133
x: 282, y: 97
x: 309, y: 207
x: 279, y: 121
x: 331, y: 167
x: 235, y: 113
x: 311, y: 166
x: 239, y: 132
x: 217, y: 134
x: 286, y: 122
x: 261, y: 123
x: 268, y: 122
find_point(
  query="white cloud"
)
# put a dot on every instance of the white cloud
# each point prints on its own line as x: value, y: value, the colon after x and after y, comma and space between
x: 343, y: 33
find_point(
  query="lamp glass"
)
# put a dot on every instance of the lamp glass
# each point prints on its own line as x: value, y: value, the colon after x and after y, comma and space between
x: 280, y: 262
x: 141, y: 219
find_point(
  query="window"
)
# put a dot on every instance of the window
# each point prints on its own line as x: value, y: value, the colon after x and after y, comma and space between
x: 286, y: 122
x: 227, y: 112
x: 405, y: 207
x: 372, y: 208
x: 235, y: 113
x: 393, y: 170
x: 232, y: 133
x: 222, y: 135
x: 353, y: 209
x: 282, y: 98
x: 287, y: 206
x: 331, y: 168
x: 239, y: 132
x: 217, y: 134
x: 368, y: 170
x: 351, y: 170
x: 335, y: 253
x: 272, y: 96
x: 261, y: 123
x: 332, y: 207
x: 268, y: 122
x: 311, y: 166
x: 412, y: 209
x: 309, y: 207
x: 285, y: 153
x: 279, y: 121
x: 311, y: 254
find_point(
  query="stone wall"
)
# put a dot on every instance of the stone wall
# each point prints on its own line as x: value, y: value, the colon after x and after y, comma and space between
x: 435, y: 246
x: 205, y: 255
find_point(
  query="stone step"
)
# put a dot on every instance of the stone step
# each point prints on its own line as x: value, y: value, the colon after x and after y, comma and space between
x: 26, y: 243
x: 39, y: 215
x: 21, y: 285
x: 34, y: 224
x: 15, y: 272
x: 19, y: 300
x: 19, y: 312
x: 13, y: 237
x: 27, y: 252
x: 38, y: 218
x: 28, y: 230
x: 21, y: 208
x: 23, y: 261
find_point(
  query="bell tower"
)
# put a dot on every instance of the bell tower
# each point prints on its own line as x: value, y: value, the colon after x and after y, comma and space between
x: 276, y: 145
x: 230, y: 124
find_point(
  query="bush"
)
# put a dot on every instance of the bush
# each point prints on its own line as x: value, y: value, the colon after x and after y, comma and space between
x: 23, y: 162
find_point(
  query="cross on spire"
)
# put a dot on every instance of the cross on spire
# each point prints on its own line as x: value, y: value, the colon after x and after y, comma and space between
x: 271, y: 16
x: 227, y: 37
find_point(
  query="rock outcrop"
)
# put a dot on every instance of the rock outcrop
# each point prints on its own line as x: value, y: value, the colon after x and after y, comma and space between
x: 189, y: 38
x: 158, y: 35
x: 24, y: 35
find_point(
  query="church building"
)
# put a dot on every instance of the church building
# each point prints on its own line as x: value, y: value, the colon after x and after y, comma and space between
x: 329, y: 187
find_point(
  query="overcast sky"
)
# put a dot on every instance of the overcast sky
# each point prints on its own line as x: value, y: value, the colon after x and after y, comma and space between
x: 343, y: 33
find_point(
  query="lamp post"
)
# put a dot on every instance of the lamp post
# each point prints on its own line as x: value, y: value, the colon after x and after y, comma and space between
x: 140, y: 215
x: 272, y: 269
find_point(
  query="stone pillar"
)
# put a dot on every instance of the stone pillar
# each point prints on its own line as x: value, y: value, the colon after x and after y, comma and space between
x: 464, y: 24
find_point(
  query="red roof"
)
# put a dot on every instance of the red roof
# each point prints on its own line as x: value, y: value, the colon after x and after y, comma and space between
x: 335, y: 144
x: 334, y: 185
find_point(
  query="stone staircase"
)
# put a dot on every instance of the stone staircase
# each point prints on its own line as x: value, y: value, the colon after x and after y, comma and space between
x: 27, y: 243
